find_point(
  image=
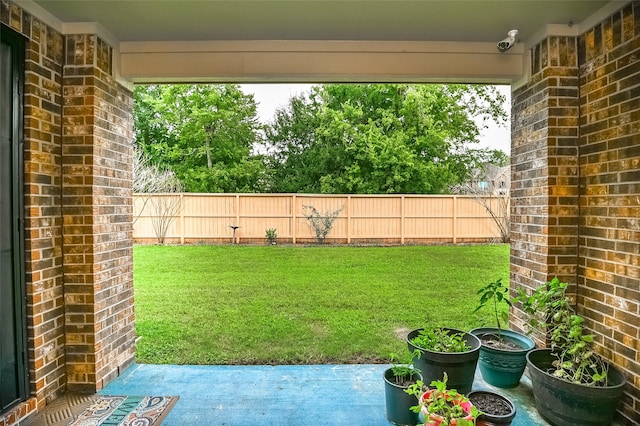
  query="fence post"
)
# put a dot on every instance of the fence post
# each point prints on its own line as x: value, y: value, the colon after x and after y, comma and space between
x: 294, y: 224
x: 402, y: 219
x: 348, y: 219
x: 237, y: 218
x: 182, y: 231
x: 455, y: 219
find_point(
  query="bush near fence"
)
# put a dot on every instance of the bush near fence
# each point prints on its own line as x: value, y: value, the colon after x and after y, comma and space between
x: 365, y: 219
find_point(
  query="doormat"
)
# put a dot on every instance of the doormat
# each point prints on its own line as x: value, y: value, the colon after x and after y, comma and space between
x: 126, y: 411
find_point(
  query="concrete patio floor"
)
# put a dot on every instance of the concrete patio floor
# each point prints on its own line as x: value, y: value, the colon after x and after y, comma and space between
x: 282, y: 395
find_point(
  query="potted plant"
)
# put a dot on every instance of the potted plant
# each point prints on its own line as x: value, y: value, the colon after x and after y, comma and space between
x: 397, y: 380
x: 503, y: 352
x: 446, y: 350
x: 571, y: 383
x: 442, y: 406
x: 496, y: 409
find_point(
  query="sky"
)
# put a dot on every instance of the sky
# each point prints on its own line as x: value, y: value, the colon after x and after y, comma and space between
x: 272, y: 96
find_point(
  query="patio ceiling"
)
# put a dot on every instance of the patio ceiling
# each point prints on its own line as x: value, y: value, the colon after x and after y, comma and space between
x: 300, y: 39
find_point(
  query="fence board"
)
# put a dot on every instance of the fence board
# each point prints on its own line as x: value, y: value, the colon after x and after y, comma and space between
x: 364, y: 219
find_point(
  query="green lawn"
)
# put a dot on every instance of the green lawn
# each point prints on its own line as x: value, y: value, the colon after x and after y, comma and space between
x: 309, y: 305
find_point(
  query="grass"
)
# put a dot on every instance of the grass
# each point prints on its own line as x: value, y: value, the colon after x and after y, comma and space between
x: 302, y: 305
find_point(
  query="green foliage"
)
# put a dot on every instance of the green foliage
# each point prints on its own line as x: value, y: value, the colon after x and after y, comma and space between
x: 402, y: 367
x: 271, y: 234
x: 379, y: 138
x: 438, y: 339
x: 549, y: 308
x: 234, y: 304
x: 496, y: 293
x: 203, y: 132
x: 341, y: 138
x: 321, y: 222
x: 451, y: 407
x: 498, y: 158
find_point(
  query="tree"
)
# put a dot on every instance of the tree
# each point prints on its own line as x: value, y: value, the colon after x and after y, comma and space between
x: 203, y: 132
x: 158, y: 189
x: 379, y: 138
x: 490, y: 186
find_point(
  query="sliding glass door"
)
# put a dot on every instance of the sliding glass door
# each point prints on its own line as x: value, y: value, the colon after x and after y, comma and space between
x: 13, y: 375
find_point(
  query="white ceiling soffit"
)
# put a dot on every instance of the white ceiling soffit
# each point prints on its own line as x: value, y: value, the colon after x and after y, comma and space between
x: 385, y: 20
x: 319, y: 40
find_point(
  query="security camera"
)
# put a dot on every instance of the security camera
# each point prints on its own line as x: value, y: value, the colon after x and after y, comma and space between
x: 504, y: 45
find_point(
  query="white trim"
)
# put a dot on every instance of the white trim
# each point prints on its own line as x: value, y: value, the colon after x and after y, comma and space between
x: 320, y: 61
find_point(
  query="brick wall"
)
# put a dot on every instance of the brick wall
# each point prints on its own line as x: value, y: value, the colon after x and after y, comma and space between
x: 576, y: 180
x: 609, y: 255
x: 97, y: 170
x: 78, y: 213
x: 43, y: 208
x: 544, y: 176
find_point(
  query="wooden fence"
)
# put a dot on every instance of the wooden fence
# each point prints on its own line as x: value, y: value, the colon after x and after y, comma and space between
x: 365, y: 219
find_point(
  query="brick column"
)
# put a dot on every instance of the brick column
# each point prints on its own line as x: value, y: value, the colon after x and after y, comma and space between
x: 97, y: 214
x: 576, y: 180
x: 544, y: 172
x: 609, y: 262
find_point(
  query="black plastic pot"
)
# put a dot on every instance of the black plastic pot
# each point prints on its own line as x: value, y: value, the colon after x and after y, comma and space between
x: 459, y: 366
x: 489, y: 418
x: 563, y: 403
x: 398, y: 402
x: 499, y: 367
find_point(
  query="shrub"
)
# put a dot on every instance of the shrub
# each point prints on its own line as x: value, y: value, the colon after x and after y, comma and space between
x: 321, y: 223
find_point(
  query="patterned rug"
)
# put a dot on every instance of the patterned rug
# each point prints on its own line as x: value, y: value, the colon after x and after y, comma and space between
x: 126, y: 411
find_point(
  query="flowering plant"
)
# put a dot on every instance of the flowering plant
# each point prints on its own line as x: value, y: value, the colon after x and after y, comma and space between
x: 442, y: 406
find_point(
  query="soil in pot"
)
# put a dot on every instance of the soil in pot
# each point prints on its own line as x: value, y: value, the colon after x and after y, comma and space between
x: 497, y: 409
x: 492, y: 340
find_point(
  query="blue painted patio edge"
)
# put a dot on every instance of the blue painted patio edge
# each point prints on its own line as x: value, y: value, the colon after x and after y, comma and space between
x: 238, y: 395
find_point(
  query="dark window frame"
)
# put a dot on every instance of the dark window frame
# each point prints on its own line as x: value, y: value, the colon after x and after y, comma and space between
x: 17, y: 43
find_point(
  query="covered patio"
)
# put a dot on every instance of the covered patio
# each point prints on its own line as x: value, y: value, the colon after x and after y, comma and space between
x: 272, y: 395
x: 68, y: 67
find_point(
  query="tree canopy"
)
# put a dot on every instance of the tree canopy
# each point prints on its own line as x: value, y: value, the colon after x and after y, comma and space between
x: 379, y: 138
x: 205, y: 133
x: 338, y: 138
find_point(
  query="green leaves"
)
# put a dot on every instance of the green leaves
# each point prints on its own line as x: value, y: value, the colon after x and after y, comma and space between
x: 204, y: 132
x: 440, y: 340
x: 402, y: 366
x: 549, y: 308
x: 449, y: 406
x: 341, y: 138
x: 378, y: 138
x: 497, y: 293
